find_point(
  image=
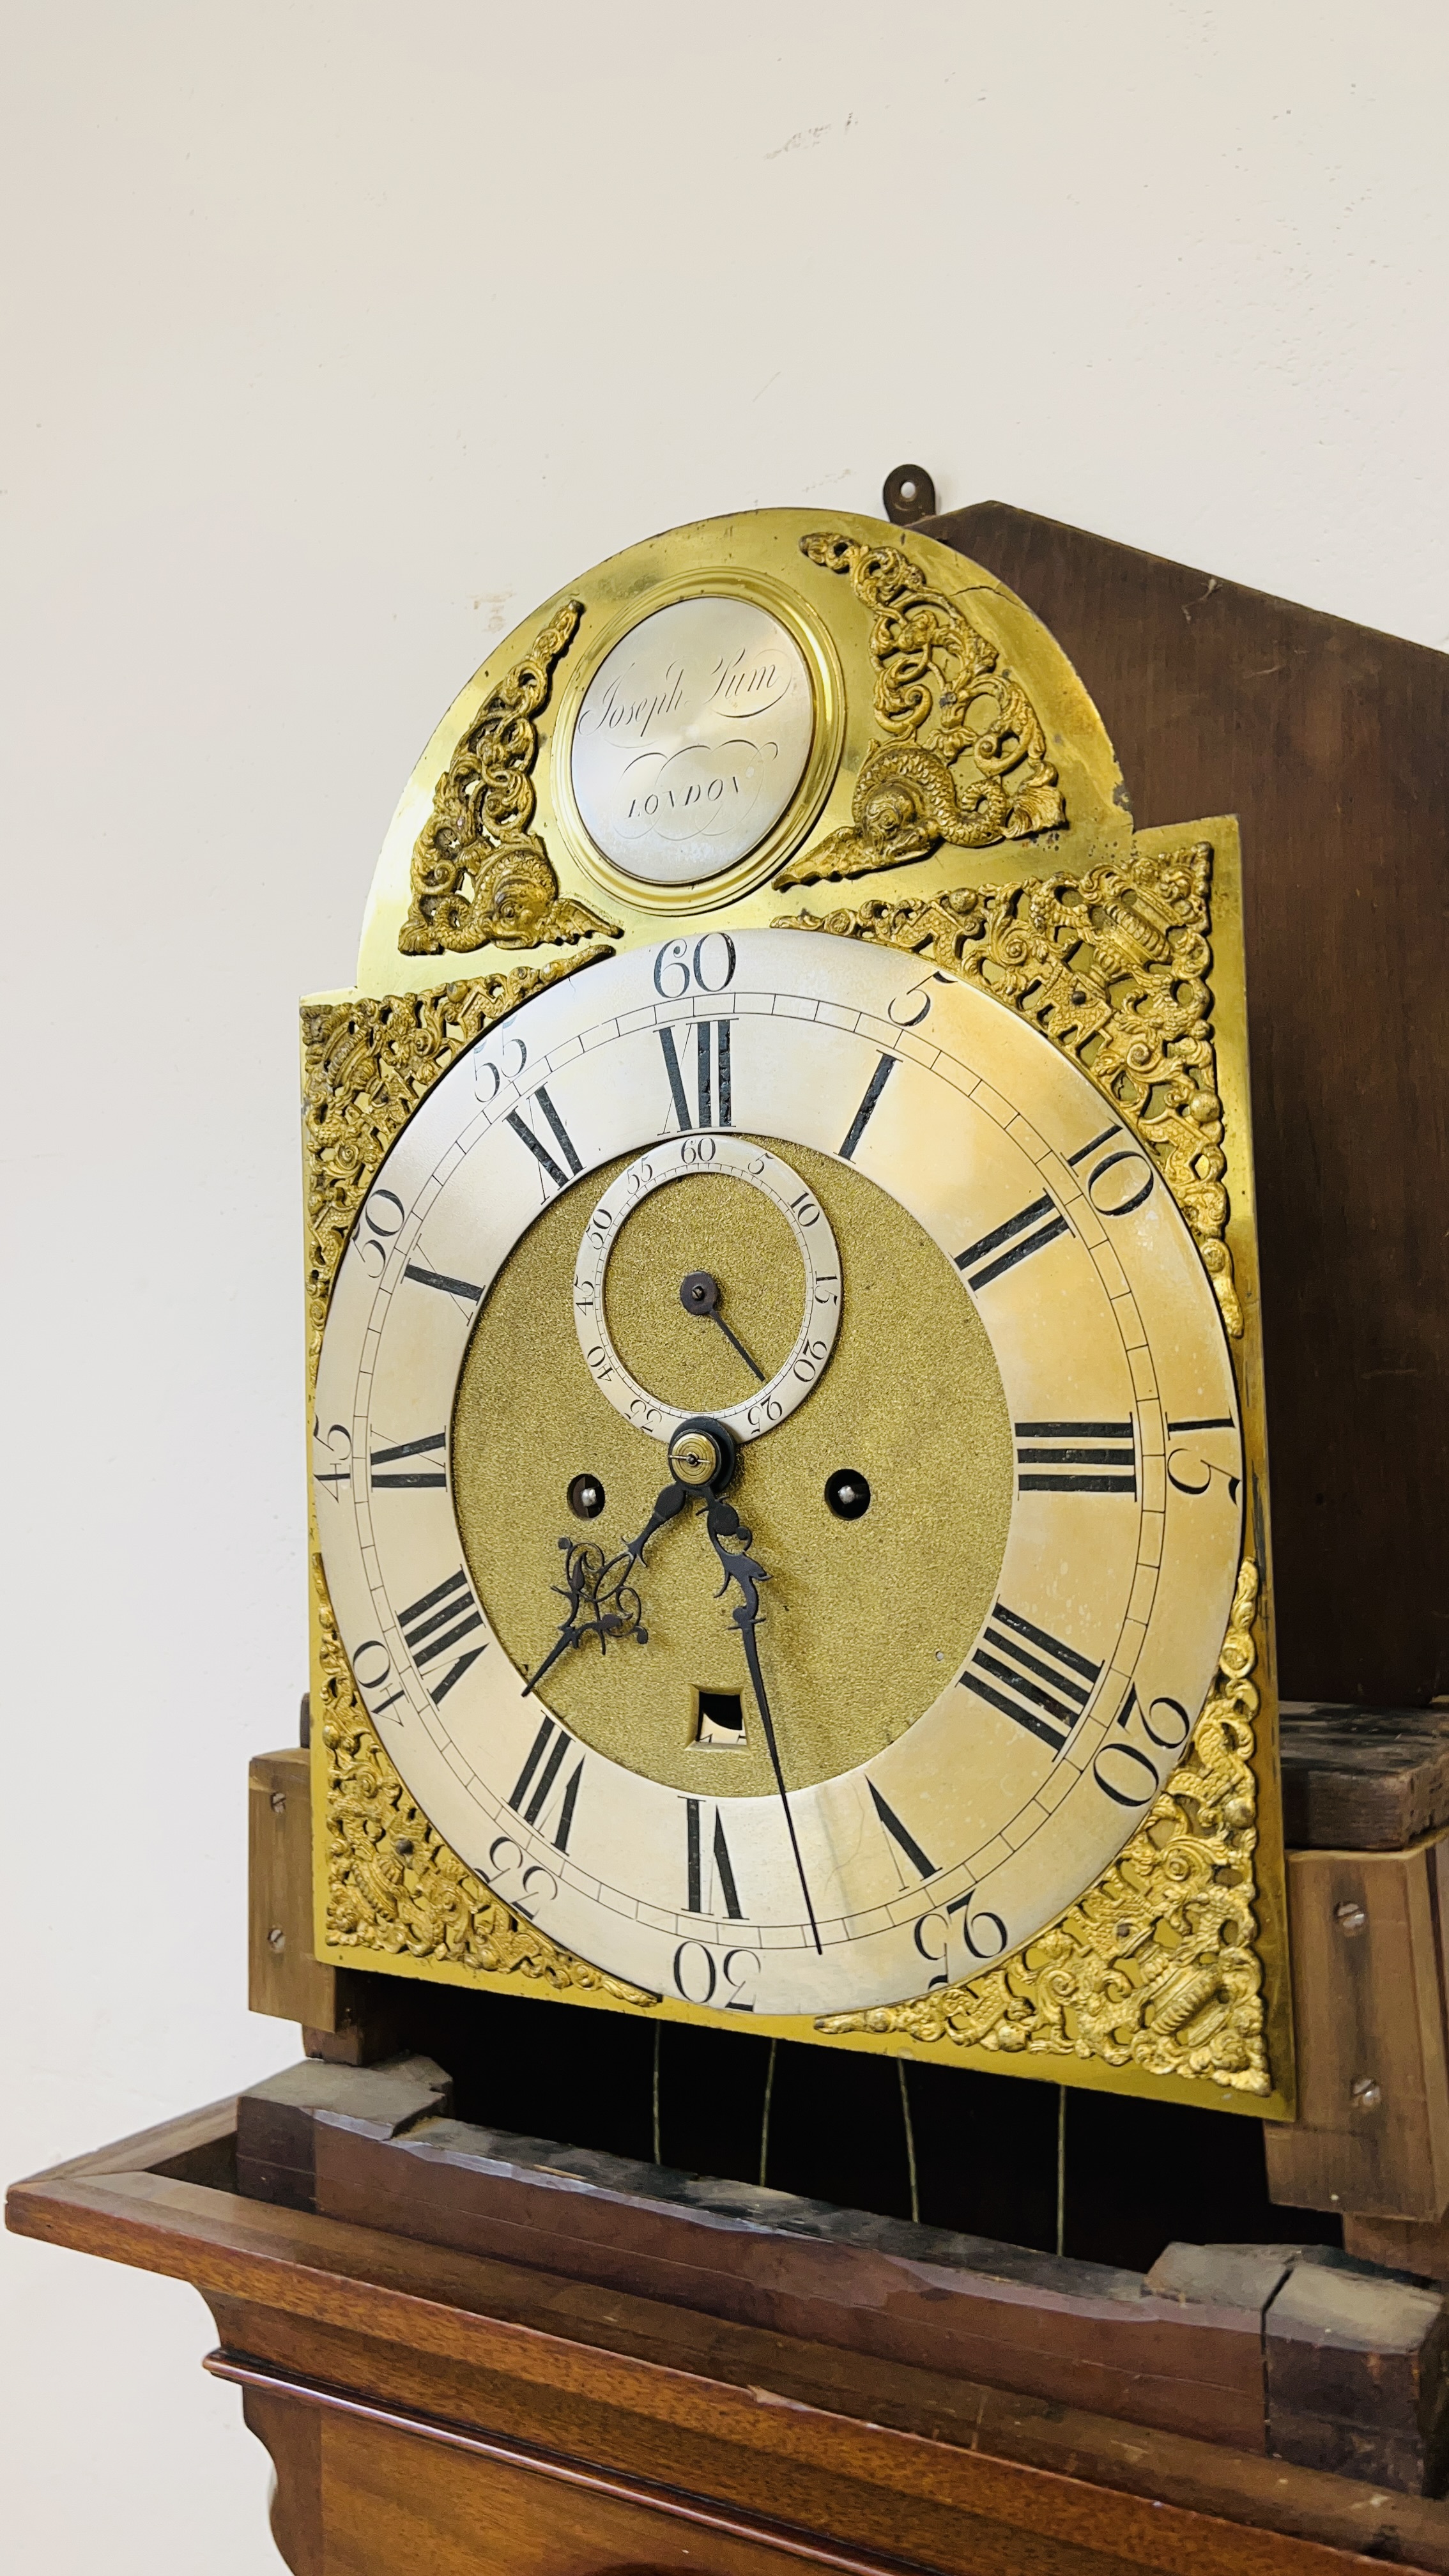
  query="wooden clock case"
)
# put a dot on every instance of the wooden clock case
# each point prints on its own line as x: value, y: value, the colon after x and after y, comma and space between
x: 452, y: 2394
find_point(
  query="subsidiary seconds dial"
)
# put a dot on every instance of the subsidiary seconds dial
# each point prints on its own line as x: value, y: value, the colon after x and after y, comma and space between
x: 705, y: 1156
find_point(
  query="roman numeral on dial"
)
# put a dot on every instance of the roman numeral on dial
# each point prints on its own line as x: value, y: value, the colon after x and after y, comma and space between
x: 901, y: 1835
x: 432, y: 1626
x: 712, y: 1079
x: 1075, y: 1458
x: 538, y: 1149
x: 536, y: 1782
x: 868, y: 1106
x: 1030, y: 1230
x: 440, y: 1280
x: 1031, y: 1676
x: 695, y: 1864
x: 413, y: 1479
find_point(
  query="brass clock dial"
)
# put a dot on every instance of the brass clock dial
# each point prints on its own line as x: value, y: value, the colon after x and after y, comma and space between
x: 873, y: 1707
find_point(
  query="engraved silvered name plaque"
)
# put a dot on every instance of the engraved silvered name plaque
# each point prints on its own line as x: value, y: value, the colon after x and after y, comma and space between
x: 693, y: 736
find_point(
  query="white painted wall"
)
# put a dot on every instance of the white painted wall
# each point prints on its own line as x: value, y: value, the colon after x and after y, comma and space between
x: 336, y: 335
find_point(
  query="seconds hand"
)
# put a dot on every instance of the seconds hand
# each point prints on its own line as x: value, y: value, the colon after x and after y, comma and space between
x: 699, y: 1295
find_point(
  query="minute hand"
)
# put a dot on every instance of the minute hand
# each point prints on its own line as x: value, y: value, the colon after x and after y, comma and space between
x: 723, y: 1522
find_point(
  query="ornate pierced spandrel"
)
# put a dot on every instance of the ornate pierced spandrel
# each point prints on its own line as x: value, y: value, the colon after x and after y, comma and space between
x: 480, y: 875
x: 942, y: 696
x: 393, y: 1886
x: 366, y: 1065
x: 1156, y: 1967
x: 1113, y: 967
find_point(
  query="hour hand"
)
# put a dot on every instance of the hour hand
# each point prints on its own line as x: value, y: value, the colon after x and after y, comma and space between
x: 669, y: 1503
x: 601, y: 1602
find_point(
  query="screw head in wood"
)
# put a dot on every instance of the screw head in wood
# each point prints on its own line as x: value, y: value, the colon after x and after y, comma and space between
x: 276, y: 1938
x: 1366, y: 2095
x: 1350, y: 1917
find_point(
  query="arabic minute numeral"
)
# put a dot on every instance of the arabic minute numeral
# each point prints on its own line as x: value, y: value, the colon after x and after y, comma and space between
x: 1119, y: 1196
x: 1178, y: 1724
x: 372, y: 1670
x: 713, y: 1080
x: 1190, y: 1473
x: 1032, y: 1228
x: 1075, y: 1458
x: 697, y: 1978
x: 1122, y: 1771
x: 538, y: 1780
x: 535, y: 1885
x: 383, y: 1216
x: 908, y: 1019
x: 984, y: 1935
x: 1029, y: 1675
x: 432, y: 1626
x: 504, y: 1062
x: 705, y: 965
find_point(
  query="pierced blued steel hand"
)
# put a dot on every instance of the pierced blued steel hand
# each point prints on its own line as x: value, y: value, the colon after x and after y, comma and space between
x: 699, y: 1295
x: 667, y: 1505
x: 723, y: 1522
x: 601, y: 1601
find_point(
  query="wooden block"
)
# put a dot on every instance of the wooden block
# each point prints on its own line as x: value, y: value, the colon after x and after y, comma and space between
x: 285, y: 1979
x: 372, y: 2022
x: 276, y: 2126
x: 1189, y: 2359
x: 1362, y: 1779
x: 347, y: 2015
x: 1415, y: 2245
x: 1235, y: 2280
x: 1373, y: 2128
x: 1357, y: 2378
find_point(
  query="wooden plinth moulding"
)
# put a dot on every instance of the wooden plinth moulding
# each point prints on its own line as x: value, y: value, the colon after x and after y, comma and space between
x: 427, y: 2406
x: 1226, y: 2342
